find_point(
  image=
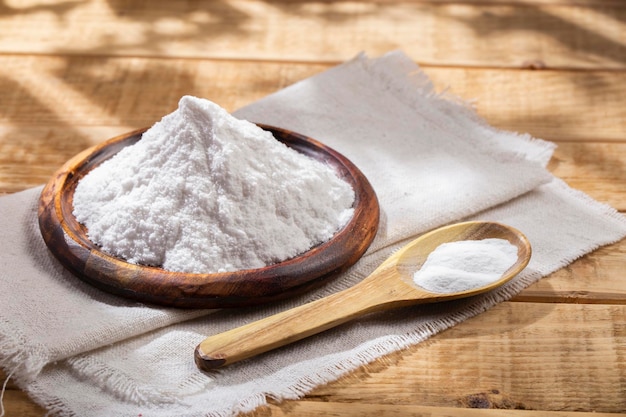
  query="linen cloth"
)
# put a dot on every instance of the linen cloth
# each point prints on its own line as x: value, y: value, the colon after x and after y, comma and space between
x: 431, y: 160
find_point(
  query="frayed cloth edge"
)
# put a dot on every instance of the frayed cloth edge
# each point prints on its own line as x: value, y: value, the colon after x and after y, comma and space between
x: 23, y: 367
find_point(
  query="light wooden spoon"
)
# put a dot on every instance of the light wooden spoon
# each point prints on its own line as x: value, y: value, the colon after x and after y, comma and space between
x: 389, y: 286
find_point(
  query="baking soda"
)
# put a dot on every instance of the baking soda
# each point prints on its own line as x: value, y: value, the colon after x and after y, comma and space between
x: 465, y: 265
x: 204, y: 192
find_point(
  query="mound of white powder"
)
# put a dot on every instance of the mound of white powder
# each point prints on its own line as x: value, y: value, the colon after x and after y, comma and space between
x: 465, y: 265
x: 205, y: 192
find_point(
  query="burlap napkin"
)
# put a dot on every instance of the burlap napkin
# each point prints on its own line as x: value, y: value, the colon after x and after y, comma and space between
x: 81, y: 352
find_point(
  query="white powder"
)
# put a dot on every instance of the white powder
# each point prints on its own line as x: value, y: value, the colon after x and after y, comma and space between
x: 205, y: 192
x: 465, y: 265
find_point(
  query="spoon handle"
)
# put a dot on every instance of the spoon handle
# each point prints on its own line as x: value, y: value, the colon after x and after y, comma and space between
x: 288, y: 326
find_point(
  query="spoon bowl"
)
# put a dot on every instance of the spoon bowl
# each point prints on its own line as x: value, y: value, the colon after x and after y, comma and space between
x: 389, y: 286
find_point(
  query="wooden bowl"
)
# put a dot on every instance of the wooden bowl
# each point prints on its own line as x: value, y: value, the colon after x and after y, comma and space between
x: 67, y: 240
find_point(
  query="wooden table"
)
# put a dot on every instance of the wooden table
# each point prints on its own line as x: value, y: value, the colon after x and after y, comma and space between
x: 75, y: 73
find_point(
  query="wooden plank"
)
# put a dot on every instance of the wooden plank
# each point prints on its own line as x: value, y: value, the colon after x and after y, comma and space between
x: 337, y: 409
x: 596, y: 278
x: 17, y: 403
x: 88, y: 91
x: 596, y: 168
x: 128, y: 92
x: 552, y: 105
x: 485, y: 34
x: 552, y: 357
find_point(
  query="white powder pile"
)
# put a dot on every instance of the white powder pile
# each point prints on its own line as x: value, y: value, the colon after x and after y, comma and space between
x: 465, y: 265
x: 205, y: 192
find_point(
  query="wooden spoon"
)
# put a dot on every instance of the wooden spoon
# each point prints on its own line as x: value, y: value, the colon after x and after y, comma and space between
x: 389, y: 286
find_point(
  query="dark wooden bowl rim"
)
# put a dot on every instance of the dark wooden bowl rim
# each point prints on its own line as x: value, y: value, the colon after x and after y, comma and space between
x: 67, y: 240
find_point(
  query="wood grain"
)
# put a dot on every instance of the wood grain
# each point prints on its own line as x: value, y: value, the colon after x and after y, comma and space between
x: 597, y: 278
x: 553, y: 357
x: 16, y: 403
x: 19, y: 405
x: 338, y: 409
x: 518, y: 35
x: 586, y: 106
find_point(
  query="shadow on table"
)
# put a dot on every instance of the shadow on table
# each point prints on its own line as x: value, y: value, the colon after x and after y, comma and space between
x: 585, y: 36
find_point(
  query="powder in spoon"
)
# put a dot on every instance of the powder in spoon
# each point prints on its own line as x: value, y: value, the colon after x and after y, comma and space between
x: 465, y: 265
x: 204, y: 192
